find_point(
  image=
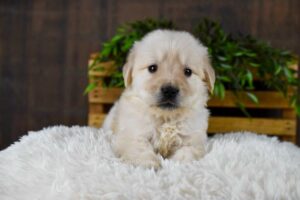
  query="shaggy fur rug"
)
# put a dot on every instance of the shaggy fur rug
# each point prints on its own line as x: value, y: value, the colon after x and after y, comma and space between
x: 77, y: 163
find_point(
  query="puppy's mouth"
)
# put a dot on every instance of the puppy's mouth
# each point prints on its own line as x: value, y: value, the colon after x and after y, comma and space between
x: 167, y: 105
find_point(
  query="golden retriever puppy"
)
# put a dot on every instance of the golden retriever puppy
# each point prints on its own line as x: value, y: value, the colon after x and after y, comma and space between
x: 162, y: 111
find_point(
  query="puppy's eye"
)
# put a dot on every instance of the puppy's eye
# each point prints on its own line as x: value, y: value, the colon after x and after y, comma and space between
x: 187, y: 72
x: 152, y: 68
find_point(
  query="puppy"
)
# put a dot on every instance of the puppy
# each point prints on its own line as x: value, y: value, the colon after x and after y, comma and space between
x: 162, y: 111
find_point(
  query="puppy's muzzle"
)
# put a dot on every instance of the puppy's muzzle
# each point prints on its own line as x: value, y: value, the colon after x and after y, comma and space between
x: 168, y: 97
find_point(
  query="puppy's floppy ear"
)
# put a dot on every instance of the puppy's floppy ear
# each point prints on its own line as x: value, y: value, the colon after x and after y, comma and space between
x: 209, y: 75
x: 128, y: 67
x: 127, y: 74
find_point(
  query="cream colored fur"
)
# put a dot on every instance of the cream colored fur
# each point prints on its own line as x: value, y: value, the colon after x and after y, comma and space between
x: 142, y: 130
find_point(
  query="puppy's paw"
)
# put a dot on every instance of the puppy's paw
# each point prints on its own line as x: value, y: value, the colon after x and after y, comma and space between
x: 146, y: 160
x: 169, y: 140
x: 187, y: 154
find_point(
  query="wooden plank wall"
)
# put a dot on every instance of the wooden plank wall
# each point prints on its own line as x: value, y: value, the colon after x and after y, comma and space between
x: 45, y: 45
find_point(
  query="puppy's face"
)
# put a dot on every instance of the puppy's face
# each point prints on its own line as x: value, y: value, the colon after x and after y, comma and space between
x: 169, y: 70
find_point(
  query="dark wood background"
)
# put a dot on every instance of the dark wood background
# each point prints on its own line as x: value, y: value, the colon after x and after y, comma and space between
x: 45, y: 45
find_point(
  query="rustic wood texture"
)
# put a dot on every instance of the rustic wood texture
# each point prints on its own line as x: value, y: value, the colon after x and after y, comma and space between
x: 44, y: 46
x: 279, y: 127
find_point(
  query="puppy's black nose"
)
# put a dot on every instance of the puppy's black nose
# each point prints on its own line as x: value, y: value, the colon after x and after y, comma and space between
x: 169, y: 91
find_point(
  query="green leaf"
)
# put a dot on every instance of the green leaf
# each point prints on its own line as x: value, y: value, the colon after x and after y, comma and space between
x: 278, y: 70
x: 287, y: 73
x: 242, y: 107
x: 106, y: 51
x: 226, y: 66
x: 219, y: 90
x: 284, y: 53
x: 224, y: 79
x: 216, y: 91
x: 297, y: 108
x: 116, y: 38
x: 249, y: 78
x: 128, y: 44
x: 253, y: 64
x: 222, y: 58
x: 252, y: 97
x: 293, y: 100
x: 253, y: 55
x: 238, y: 54
x: 90, y: 87
x: 222, y: 91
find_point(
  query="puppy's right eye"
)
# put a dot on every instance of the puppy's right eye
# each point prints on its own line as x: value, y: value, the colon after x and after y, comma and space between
x: 152, y: 68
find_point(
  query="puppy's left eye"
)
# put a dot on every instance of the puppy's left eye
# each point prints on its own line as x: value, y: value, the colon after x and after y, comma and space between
x: 152, y: 68
x: 187, y: 72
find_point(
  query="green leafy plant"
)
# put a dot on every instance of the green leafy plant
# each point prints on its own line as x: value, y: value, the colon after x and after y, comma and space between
x: 118, y: 47
x: 237, y: 60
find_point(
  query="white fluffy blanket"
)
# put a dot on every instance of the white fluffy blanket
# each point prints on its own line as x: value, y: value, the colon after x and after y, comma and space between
x: 77, y: 163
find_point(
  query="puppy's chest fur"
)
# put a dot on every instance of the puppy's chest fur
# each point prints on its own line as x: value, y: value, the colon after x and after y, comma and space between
x: 167, y: 138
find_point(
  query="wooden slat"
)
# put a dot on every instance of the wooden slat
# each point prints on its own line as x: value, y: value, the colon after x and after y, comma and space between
x: 289, y: 114
x: 107, y: 68
x: 289, y: 138
x: 267, y: 99
x: 279, y: 127
x: 96, y: 120
x: 96, y: 108
x: 283, y: 127
x: 104, y: 95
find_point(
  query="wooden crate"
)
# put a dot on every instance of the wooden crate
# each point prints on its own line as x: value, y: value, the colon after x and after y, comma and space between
x: 282, y: 125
